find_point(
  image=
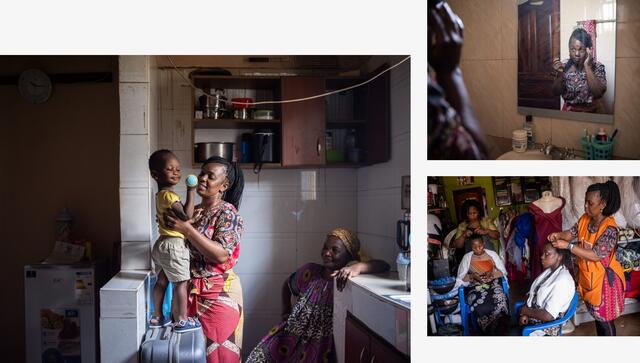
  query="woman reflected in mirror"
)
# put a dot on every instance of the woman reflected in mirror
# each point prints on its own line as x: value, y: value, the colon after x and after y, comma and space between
x: 581, y: 80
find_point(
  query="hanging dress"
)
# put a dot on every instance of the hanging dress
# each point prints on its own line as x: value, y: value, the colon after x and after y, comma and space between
x: 545, y: 223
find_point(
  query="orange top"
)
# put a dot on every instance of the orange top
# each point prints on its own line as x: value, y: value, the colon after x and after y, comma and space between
x: 591, y: 274
x: 482, y: 266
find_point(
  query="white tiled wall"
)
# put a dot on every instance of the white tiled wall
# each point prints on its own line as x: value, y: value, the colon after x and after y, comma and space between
x: 378, y: 204
x: 123, y: 311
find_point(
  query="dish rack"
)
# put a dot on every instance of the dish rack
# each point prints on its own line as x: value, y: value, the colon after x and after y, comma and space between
x: 596, y: 150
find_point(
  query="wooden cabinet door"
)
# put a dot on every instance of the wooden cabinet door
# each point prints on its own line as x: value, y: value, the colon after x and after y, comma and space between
x: 382, y: 352
x: 303, y: 123
x: 378, y: 126
x: 357, y: 342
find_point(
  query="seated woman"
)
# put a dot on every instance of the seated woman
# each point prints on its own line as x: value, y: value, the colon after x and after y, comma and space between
x: 476, y: 223
x: 306, y: 331
x: 481, y: 272
x: 551, y: 292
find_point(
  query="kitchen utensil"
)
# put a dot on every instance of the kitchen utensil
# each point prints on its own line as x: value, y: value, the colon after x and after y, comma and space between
x: 214, y: 106
x: 263, y: 144
x: 245, y: 148
x: 263, y: 114
x: 205, y: 150
x: 403, y: 230
x: 242, y: 110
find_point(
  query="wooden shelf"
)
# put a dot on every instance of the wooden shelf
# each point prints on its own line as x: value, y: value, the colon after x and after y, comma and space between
x: 249, y: 165
x: 232, y: 123
x: 238, y: 82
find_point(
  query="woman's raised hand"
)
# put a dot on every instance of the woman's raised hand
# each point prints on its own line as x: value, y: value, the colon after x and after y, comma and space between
x: 445, y: 49
x: 468, y: 233
x: 557, y: 65
x: 588, y: 62
x: 553, y: 236
x: 481, y: 231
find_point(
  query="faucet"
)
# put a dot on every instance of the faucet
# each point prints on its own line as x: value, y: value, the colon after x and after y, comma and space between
x: 556, y: 152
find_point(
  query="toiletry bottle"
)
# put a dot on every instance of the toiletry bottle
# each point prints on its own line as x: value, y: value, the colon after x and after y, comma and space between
x: 602, y: 136
x: 528, y: 126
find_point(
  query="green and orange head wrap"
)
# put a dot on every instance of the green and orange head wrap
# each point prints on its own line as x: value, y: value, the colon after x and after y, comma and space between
x: 350, y: 241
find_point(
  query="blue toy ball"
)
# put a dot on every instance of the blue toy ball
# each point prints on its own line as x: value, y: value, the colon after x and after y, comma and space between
x: 192, y: 181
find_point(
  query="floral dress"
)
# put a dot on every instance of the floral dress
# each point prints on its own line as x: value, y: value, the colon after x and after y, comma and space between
x: 307, y: 334
x: 215, y: 293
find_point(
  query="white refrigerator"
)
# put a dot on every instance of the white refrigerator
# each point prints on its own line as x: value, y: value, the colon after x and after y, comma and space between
x: 61, y: 312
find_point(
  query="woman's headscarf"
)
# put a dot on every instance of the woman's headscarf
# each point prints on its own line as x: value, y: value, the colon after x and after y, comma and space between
x: 349, y: 239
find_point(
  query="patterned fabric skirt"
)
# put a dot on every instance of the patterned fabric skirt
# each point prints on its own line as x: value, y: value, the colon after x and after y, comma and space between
x: 217, y: 302
x: 612, y: 304
x: 488, y: 304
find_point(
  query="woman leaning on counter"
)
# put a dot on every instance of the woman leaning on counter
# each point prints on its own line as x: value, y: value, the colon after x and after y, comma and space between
x: 600, y: 275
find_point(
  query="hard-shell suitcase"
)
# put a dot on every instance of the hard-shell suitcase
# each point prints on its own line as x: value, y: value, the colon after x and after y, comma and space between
x: 162, y: 345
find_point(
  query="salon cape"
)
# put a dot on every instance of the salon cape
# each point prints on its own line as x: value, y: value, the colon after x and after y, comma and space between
x: 463, y: 269
x: 555, y: 294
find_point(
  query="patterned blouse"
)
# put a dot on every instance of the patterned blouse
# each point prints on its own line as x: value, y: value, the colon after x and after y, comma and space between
x: 221, y: 224
x: 606, y: 242
x: 576, y: 89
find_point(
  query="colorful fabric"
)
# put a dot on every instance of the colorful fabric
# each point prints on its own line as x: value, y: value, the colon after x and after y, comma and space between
x: 576, y: 92
x: 164, y: 200
x: 488, y: 304
x: 481, y: 266
x: 349, y: 239
x: 545, y: 223
x: 307, y: 334
x: 215, y: 293
x: 629, y: 259
x: 448, y: 138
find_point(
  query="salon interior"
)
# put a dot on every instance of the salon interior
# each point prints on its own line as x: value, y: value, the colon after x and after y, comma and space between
x: 507, y: 63
x: 511, y: 221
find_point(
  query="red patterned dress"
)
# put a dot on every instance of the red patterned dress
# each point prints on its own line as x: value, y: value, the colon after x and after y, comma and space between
x: 307, y: 334
x: 215, y: 294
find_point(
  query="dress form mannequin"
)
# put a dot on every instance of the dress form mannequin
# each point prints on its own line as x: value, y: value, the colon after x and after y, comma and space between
x: 548, y: 203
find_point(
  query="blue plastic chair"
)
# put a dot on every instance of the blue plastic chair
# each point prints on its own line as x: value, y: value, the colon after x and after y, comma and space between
x: 527, y: 330
x: 466, y: 315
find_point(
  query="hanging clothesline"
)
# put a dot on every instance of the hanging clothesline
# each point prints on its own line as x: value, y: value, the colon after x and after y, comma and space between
x: 291, y: 100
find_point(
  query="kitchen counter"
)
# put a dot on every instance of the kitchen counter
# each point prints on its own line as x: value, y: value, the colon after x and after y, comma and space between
x: 367, y: 297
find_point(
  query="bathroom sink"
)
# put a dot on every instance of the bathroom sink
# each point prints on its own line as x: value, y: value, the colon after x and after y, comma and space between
x: 527, y: 155
x: 403, y: 299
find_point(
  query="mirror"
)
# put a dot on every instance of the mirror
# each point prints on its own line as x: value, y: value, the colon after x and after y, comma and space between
x: 566, y: 59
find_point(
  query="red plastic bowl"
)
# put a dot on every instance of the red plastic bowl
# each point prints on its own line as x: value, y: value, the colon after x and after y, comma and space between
x: 242, y: 102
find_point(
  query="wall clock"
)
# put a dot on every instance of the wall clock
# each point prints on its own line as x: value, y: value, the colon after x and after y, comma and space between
x: 34, y: 86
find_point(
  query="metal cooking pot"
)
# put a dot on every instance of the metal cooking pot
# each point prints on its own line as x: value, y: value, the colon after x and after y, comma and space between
x: 205, y: 150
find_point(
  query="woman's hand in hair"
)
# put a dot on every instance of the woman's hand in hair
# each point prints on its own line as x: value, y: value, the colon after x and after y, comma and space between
x: 560, y: 243
x: 557, y: 65
x: 588, y: 62
x: 481, y: 231
x: 343, y: 274
x: 445, y: 49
